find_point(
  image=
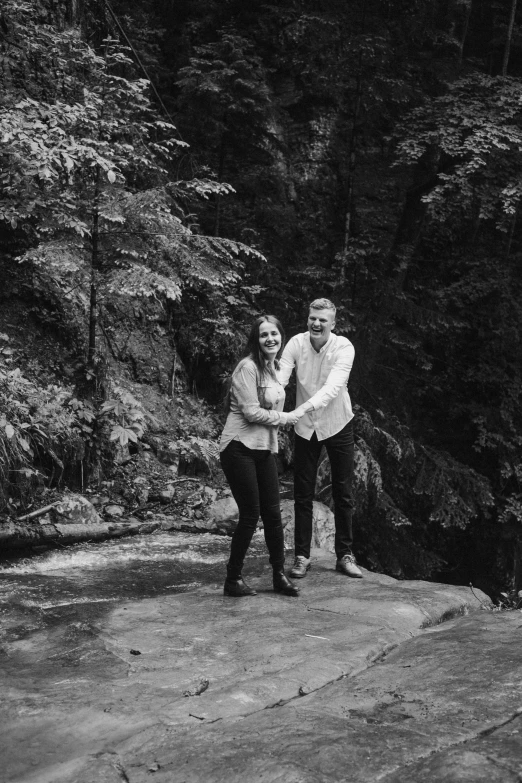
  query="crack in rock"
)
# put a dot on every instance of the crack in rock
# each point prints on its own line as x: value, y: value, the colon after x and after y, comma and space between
x: 492, y: 729
x: 461, y: 743
x: 120, y: 769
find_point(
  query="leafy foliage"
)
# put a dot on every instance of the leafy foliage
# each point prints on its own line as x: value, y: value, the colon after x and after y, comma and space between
x: 405, y: 493
x: 89, y: 164
x: 88, y: 180
x: 475, y: 128
x: 38, y: 437
x: 225, y: 86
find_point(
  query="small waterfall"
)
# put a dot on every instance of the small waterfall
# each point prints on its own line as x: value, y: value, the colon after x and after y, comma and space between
x: 124, y: 568
x: 109, y: 554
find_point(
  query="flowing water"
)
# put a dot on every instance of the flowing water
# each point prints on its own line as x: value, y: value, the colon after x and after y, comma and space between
x: 79, y: 582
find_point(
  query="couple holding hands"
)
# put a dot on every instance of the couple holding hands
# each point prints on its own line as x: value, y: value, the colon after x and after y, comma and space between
x: 323, y: 416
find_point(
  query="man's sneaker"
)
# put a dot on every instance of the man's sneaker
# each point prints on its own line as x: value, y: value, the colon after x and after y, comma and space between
x: 347, y: 565
x: 300, y: 567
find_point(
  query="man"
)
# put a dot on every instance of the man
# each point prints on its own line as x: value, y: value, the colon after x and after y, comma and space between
x: 323, y: 362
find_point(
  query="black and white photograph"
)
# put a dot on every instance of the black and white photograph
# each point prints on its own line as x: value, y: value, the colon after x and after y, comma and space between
x: 261, y: 391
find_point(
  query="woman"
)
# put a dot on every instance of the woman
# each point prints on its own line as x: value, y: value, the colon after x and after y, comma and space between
x: 247, y: 448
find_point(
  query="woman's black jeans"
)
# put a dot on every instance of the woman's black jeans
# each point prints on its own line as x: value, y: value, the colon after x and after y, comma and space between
x: 340, y: 449
x: 253, y: 479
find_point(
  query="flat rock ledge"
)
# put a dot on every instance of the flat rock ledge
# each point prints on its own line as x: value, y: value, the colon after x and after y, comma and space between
x: 360, y: 680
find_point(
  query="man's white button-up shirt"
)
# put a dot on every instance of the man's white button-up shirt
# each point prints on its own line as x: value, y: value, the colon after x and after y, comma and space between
x: 322, y: 379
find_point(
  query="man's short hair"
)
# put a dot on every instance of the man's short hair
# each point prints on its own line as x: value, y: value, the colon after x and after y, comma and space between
x: 322, y: 304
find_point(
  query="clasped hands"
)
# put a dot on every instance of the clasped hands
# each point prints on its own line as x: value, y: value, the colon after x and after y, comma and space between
x: 294, y: 416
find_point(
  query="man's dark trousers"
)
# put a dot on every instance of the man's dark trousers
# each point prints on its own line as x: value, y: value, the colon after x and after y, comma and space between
x: 339, y: 448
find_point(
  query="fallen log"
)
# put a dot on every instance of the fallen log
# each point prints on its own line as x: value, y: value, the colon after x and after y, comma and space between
x: 39, y: 512
x: 19, y: 536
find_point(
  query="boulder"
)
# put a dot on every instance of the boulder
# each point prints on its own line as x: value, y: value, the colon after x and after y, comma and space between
x: 166, y: 495
x: 222, y: 516
x: 167, y: 452
x: 141, y: 496
x: 323, y: 525
x: 223, y: 510
x: 209, y: 494
x: 114, y: 510
x: 75, y: 510
x: 174, y: 466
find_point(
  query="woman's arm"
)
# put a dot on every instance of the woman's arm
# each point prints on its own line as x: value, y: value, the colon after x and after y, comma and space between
x: 244, y: 387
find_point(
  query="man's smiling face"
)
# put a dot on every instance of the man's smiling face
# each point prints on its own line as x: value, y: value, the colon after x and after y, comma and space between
x: 320, y: 324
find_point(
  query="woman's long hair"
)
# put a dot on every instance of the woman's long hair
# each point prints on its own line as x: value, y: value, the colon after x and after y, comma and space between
x: 252, y: 350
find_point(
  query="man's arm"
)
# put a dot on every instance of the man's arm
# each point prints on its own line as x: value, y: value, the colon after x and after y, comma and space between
x: 288, y: 361
x: 337, y: 378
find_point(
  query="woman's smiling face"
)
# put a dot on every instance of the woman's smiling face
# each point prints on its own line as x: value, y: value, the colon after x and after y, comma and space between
x: 269, y: 340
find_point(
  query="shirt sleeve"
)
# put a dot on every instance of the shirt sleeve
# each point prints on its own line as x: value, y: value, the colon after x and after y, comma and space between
x: 337, y: 378
x: 244, y: 386
x: 287, y: 362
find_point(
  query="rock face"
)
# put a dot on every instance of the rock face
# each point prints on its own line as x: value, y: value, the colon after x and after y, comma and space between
x: 442, y: 708
x: 369, y: 682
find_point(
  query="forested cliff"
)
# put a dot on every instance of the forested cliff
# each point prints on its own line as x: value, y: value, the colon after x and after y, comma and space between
x: 170, y: 169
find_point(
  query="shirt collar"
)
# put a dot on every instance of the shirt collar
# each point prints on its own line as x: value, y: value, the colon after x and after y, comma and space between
x: 328, y: 344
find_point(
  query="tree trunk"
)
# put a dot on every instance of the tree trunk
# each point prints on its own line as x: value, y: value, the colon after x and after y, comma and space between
x: 413, y: 214
x: 351, y: 164
x: 93, y: 318
x: 220, y: 173
x: 352, y: 161
x: 405, y: 243
x: 74, y: 8
x: 511, y: 231
x: 509, y: 37
x: 93, y: 307
x: 351, y: 174
x: 465, y: 31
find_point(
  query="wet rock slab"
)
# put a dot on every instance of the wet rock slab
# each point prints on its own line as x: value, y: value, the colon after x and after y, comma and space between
x: 442, y: 708
x: 353, y: 680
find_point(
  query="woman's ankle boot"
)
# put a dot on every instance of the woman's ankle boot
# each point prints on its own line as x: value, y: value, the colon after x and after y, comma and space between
x: 237, y: 588
x: 283, y: 585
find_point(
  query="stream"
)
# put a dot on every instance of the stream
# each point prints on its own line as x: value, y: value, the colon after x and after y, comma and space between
x: 78, y: 584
